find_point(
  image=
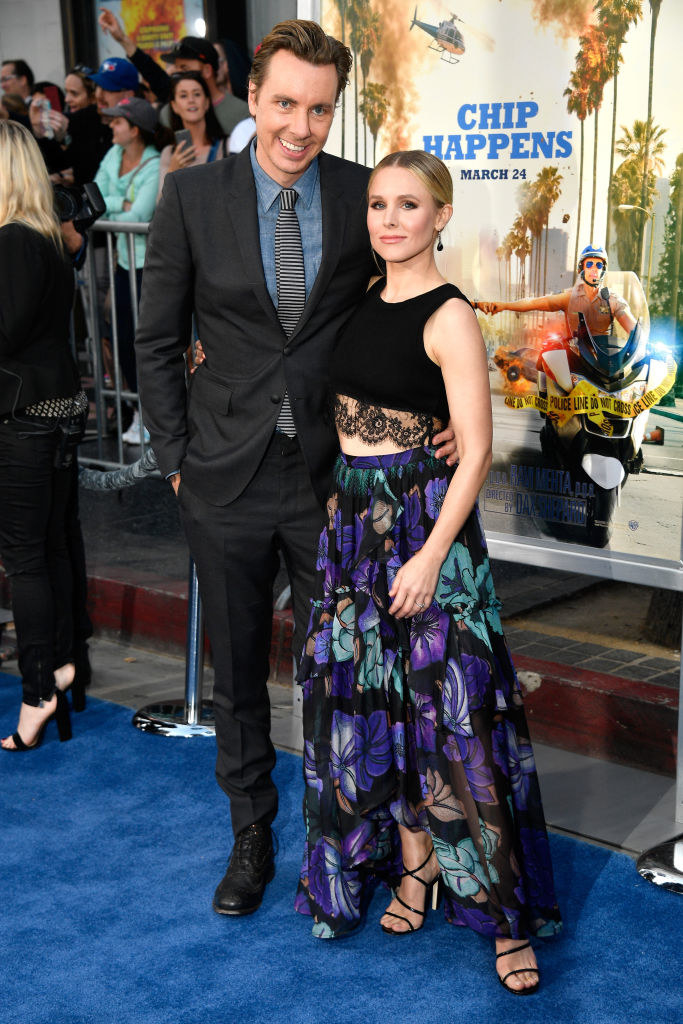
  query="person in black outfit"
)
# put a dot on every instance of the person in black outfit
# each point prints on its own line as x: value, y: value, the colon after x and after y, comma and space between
x: 88, y: 137
x: 17, y: 77
x: 41, y: 411
x: 86, y: 141
x: 233, y: 67
x: 47, y: 119
x: 417, y: 758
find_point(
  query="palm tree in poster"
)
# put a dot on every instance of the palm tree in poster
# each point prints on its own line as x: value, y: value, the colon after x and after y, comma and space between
x: 616, y: 17
x: 625, y: 190
x: 500, y: 256
x: 516, y: 243
x: 654, y: 9
x: 643, y: 145
x: 627, y: 186
x: 341, y: 7
x: 370, y: 40
x: 593, y: 68
x: 507, y: 249
x: 668, y: 284
x: 548, y: 185
x: 577, y: 103
x: 521, y: 246
x: 357, y: 12
x: 533, y: 218
x: 374, y: 108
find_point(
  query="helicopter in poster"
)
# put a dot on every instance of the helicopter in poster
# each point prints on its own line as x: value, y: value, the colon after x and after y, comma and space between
x: 447, y: 38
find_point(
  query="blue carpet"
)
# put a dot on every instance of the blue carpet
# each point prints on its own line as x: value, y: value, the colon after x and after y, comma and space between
x: 113, y: 843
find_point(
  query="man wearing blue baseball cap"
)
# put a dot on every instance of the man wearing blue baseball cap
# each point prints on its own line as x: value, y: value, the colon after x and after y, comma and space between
x: 116, y: 80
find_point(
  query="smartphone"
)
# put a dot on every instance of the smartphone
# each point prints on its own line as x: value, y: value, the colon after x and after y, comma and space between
x: 184, y: 135
x: 43, y: 106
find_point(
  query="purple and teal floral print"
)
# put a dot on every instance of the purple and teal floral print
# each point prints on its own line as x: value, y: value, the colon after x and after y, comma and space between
x: 428, y: 638
x: 417, y: 722
x: 456, y: 712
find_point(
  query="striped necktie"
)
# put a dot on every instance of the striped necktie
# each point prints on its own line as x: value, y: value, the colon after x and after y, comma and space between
x: 291, y: 284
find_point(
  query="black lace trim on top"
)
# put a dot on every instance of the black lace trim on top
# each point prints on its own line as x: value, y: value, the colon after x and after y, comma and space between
x: 375, y: 424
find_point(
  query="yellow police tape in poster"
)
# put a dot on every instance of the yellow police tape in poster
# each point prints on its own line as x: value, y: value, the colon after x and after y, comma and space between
x: 586, y: 399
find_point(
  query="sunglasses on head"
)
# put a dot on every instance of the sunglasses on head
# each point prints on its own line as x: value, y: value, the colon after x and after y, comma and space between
x: 598, y: 264
x: 82, y: 69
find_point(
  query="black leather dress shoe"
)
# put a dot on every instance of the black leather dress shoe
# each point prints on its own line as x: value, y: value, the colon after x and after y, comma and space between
x: 250, y: 869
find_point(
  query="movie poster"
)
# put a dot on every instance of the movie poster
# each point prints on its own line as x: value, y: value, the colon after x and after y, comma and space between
x: 560, y: 123
x: 155, y: 25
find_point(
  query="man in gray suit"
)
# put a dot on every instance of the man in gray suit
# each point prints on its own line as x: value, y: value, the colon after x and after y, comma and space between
x: 249, y: 448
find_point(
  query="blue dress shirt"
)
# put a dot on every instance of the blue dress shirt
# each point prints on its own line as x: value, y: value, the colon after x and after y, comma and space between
x: 309, y: 213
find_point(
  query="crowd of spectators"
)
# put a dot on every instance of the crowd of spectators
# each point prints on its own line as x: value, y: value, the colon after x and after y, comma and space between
x: 126, y: 126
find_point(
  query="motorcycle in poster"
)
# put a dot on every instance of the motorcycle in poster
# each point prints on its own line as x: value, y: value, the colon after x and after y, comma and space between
x: 592, y: 391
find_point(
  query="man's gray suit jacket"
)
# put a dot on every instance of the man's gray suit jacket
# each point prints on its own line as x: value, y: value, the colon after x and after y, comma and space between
x: 204, y: 256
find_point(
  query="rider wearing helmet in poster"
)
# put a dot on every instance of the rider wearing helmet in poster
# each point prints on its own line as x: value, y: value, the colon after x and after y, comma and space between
x: 599, y: 306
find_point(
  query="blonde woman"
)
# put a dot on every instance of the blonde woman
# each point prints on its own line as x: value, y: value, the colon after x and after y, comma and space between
x: 417, y: 759
x: 41, y: 412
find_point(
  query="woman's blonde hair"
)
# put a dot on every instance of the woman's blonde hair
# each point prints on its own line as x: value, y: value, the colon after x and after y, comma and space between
x: 427, y: 168
x: 26, y: 195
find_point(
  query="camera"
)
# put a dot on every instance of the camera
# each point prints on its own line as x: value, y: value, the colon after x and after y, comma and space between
x: 82, y: 204
x: 71, y: 433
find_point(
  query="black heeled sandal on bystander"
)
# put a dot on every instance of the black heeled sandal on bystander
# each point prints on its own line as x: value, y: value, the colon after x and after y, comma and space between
x: 528, y: 990
x: 61, y: 716
x: 75, y: 686
x: 77, y: 691
x: 432, y: 890
x: 82, y: 677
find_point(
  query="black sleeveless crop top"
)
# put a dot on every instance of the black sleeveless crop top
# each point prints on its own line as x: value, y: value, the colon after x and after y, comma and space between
x: 384, y: 384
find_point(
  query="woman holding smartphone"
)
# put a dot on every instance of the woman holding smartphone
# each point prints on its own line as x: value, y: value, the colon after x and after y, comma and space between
x: 199, y: 136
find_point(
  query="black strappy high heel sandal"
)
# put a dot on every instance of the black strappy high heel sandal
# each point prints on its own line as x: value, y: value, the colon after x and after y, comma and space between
x: 82, y: 678
x: 520, y: 970
x: 77, y: 691
x: 432, y: 890
x: 63, y: 720
x: 76, y: 688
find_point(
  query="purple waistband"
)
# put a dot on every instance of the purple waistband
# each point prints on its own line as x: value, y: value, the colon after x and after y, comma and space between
x: 393, y: 459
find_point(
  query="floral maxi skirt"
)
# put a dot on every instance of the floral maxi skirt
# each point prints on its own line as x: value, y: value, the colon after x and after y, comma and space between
x: 415, y: 721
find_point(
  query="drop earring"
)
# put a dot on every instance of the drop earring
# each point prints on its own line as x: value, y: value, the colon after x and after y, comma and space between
x: 439, y: 244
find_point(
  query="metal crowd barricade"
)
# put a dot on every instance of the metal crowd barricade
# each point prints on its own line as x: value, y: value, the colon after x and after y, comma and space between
x: 192, y: 716
x: 89, y: 295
